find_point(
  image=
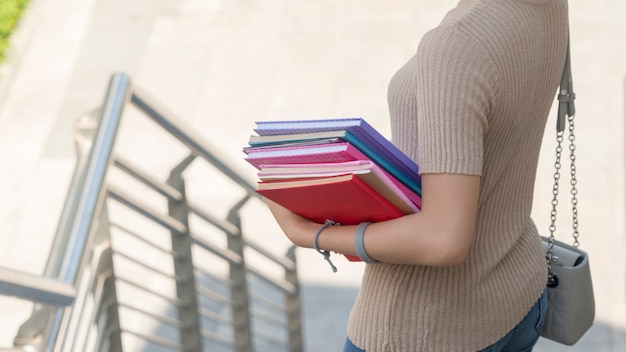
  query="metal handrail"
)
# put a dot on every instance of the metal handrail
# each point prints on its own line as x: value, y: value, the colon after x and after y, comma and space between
x: 65, y: 262
x: 165, y: 119
x: 85, y: 274
x: 36, y: 288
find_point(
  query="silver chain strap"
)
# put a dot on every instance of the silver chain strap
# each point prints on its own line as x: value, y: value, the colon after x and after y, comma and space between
x: 567, y: 109
x: 573, y: 181
x: 555, y: 202
x: 551, y: 259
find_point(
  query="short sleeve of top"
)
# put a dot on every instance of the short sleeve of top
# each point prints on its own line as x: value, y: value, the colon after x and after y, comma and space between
x: 456, y: 92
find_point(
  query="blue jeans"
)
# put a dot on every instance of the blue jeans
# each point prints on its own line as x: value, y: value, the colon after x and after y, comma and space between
x: 522, y: 338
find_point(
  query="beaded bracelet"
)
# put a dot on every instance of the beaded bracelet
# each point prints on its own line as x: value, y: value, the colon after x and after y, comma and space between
x: 360, y: 246
x: 326, y: 254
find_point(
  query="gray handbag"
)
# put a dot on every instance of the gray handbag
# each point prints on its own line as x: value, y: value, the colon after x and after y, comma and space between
x: 571, y: 305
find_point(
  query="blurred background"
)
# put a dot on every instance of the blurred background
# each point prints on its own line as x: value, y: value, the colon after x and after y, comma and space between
x: 220, y: 65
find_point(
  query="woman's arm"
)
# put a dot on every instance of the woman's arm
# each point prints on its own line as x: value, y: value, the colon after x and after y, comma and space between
x: 439, y: 235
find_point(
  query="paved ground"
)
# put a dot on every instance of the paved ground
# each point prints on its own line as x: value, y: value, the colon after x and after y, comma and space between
x: 220, y: 65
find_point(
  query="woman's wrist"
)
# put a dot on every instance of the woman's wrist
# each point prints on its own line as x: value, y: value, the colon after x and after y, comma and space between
x: 324, y: 253
x: 359, y: 243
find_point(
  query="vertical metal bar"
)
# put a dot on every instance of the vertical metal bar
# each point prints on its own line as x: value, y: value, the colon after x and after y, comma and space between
x: 100, y: 297
x: 183, y: 264
x: 292, y: 305
x: 83, y: 137
x: 109, y: 293
x: 239, y: 292
x: 29, y: 334
x: 95, y: 172
x: 89, y: 195
x: 112, y: 321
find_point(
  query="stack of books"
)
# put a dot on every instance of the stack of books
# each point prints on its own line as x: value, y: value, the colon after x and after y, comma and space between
x: 337, y: 169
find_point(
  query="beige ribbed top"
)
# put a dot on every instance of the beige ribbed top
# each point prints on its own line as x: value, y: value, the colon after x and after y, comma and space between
x: 473, y: 100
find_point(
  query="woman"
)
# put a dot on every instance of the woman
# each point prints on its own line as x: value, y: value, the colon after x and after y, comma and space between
x: 466, y: 273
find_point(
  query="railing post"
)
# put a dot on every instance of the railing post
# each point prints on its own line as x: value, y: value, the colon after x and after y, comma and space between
x: 108, y: 304
x: 239, y: 292
x: 183, y: 264
x: 96, y: 308
x: 112, y: 323
x: 292, y: 303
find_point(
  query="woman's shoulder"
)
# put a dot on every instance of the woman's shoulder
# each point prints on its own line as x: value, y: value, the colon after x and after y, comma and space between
x: 490, y: 25
x: 498, y: 16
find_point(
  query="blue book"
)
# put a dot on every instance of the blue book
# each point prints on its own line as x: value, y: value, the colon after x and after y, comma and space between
x: 355, y: 131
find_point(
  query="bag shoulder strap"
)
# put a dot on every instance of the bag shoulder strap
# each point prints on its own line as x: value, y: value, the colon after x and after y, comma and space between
x: 566, y: 111
x: 566, y: 92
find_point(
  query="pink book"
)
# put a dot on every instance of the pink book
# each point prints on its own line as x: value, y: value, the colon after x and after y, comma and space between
x: 308, y: 154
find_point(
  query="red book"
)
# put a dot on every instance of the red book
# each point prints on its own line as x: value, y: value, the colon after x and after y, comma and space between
x: 344, y: 199
x: 383, y: 183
